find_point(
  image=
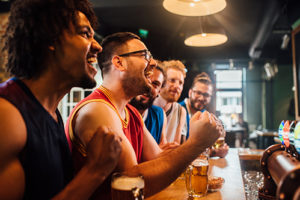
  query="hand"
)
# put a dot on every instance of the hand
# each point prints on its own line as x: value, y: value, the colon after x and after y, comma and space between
x: 203, y: 129
x: 219, y: 125
x: 103, y: 150
x: 170, y: 145
x: 221, y: 151
x: 167, y: 147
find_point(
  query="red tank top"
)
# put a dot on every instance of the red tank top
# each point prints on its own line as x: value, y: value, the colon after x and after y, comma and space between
x: 132, y: 125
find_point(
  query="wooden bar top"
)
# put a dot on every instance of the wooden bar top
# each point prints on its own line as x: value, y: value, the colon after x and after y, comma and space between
x: 228, y: 168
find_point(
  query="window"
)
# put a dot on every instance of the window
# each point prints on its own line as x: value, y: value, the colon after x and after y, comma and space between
x: 76, y: 94
x: 229, y: 95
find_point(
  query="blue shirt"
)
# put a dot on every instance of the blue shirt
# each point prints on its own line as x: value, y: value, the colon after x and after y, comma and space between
x: 154, y: 122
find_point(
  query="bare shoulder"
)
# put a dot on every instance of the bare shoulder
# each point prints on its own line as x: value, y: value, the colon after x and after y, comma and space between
x: 13, y: 129
x: 99, y: 114
x: 12, y: 141
x: 183, y: 111
x: 94, y: 115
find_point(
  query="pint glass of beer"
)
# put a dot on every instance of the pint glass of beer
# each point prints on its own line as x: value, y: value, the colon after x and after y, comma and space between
x: 125, y: 187
x: 196, y: 178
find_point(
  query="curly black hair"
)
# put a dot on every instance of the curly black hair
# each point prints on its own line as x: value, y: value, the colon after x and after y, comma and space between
x: 33, y: 26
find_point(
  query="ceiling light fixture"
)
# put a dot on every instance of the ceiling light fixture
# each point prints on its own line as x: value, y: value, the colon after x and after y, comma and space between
x: 194, y: 7
x: 207, y: 36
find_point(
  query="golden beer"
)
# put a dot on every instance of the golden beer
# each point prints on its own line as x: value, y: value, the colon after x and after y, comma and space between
x: 220, y: 142
x: 197, y: 179
x: 127, y: 188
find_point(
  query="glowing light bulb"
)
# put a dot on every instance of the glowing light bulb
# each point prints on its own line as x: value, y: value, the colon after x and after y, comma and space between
x: 192, y: 4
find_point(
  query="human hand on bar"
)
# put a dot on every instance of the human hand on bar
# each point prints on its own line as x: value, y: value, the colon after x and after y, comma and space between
x: 203, y: 129
x: 221, y: 151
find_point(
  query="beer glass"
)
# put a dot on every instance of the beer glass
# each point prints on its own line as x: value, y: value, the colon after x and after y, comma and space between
x: 220, y: 142
x: 125, y: 187
x: 196, y: 178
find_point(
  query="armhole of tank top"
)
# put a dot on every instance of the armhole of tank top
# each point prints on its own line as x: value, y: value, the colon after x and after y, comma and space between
x: 179, y: 111
x: 75, y: 140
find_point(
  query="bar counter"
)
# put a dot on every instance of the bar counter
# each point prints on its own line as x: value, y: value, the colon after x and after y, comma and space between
x: 228, y: 168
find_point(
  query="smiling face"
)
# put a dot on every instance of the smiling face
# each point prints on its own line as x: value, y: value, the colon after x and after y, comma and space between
x: 200, y: 95
x: 77, y: 52
x: 174, y: 85
x: 142, y: 102
x: 134, y: 80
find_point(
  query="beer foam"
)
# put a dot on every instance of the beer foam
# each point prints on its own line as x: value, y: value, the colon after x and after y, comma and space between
x: 127, y: 183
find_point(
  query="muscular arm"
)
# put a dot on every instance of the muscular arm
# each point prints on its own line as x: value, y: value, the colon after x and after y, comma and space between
x: 151, y: 150
x: 12, y: 141
x: 12, y: 177
x: 159, y: 172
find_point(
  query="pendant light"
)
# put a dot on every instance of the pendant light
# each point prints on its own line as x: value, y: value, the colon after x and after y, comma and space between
x: 194, y: 7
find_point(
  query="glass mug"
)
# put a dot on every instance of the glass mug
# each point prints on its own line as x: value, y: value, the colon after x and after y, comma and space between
x: 220, y: 142
x: 196, y: 178
x: 125, y: 187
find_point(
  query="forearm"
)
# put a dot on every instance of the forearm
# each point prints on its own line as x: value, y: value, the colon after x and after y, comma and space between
x: 83, y: 185
x: 161, y: 172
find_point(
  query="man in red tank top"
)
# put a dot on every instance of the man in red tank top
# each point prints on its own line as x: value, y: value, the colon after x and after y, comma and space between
x: 126, y: 66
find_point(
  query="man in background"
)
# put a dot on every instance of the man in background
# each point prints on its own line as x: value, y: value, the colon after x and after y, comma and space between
x: 126, y: 65
x: 154, y: 116
x: 51, y: 48
x: 168, y: 97
x: 199, y: 97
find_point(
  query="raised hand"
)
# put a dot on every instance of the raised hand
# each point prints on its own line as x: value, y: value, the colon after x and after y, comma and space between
x: 203, y: 129
x: 103, y: 150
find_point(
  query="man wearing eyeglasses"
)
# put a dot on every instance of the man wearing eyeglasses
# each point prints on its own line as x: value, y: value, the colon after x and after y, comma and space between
x: 199, y: 97
x: 126, y: 66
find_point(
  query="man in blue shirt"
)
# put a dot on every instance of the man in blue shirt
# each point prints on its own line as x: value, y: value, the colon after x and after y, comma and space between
x: 199, y: 97
x: 154, y: 116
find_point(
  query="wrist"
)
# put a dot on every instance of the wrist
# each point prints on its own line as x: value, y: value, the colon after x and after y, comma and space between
x: 213, y: 152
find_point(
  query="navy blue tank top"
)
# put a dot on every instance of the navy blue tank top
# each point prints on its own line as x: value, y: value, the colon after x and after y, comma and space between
x: 46, y: 158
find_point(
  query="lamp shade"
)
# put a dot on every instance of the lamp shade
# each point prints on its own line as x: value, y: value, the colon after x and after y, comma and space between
x: 205, y: 39
x: 194, y: 7
x: 207, y: 34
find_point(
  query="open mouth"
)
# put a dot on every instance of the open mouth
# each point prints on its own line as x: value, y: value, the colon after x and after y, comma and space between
x: 92, y: 63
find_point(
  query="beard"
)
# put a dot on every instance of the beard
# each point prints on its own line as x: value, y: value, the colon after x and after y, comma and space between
x: 140, y: 105
x: 134, y: 85
x: 201, y: 105
x: 86, y: 82
x: 169, y: 98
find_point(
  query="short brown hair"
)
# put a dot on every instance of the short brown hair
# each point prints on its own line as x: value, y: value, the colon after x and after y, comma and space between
x: 111, y: 44
x: 202, y: 78
x: 174, y: 64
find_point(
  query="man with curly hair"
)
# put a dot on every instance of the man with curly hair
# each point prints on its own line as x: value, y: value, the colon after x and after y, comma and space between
x: 51, y: 48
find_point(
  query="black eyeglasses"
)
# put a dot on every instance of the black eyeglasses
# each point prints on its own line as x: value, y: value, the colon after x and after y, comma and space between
x: 198, y: 93
x: 146, y: 54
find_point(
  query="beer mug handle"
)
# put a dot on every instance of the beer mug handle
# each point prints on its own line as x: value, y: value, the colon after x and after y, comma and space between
x: 137, y: 193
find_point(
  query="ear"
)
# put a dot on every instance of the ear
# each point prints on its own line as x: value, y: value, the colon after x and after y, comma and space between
x: 190, y: 93
x: 119, y: 63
